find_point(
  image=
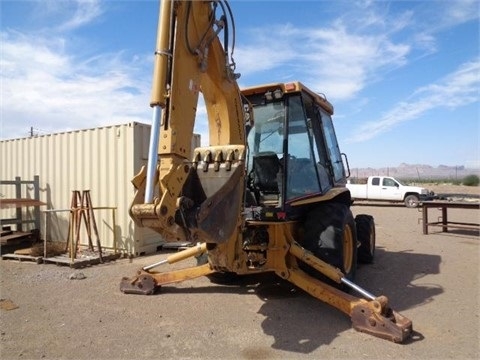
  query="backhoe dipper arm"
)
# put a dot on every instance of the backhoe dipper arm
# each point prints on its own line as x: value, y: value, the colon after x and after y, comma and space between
x: 189, y: 59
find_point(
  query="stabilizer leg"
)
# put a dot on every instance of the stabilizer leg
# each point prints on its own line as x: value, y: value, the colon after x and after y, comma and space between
x: 372, y: 316
x: 146, y: 282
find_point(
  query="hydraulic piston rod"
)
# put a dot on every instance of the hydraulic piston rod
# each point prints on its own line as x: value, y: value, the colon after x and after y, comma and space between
x: 152, y: 153
x: 196, y: 250
x: 158, y: 98
x: 358, y: 289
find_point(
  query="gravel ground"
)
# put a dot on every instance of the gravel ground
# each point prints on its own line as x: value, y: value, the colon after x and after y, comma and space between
x: 431, y: 279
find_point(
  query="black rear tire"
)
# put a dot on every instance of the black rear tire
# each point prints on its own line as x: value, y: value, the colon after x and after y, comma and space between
x: 330, y: 234
x: 367, y: 238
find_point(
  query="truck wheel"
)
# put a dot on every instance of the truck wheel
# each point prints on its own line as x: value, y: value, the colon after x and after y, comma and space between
x: 367, y: 238
x: 411, y: 201
x: 330, y: 234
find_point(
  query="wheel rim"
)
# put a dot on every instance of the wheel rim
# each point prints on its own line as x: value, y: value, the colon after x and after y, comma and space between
x: 412, y: 201
x: 347, y: 249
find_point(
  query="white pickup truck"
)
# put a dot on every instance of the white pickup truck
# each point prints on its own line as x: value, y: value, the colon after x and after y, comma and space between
x: 385, y: 188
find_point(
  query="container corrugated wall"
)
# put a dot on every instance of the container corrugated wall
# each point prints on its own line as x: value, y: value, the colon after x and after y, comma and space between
x: 101, y: 160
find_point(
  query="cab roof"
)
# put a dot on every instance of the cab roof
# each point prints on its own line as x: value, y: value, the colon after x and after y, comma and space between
x: 290, y: 87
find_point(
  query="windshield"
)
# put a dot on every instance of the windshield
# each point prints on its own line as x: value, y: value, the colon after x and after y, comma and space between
x: 299, y: 134
x: 391, y: 182
x: 267, y: 132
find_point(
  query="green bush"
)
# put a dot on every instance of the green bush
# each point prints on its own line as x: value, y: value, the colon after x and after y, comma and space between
x: 471, y: 180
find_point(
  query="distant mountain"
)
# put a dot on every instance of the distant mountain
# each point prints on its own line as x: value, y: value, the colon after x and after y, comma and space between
x: 417, y: 171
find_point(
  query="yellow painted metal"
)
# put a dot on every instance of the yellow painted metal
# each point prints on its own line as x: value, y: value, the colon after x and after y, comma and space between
x: 197, y: 66
x: 163, y: 278
x: 159, y: 86
x: 306, y: 256
x: 329, y: 195
x: 283, y: 253
x: 324, y: 292
x: 184, y: 254
x: 290, y: 87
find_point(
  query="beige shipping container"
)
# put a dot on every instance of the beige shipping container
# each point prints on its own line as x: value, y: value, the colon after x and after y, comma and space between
x: 102, y: 160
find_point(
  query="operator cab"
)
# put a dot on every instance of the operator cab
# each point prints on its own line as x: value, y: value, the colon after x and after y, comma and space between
x: 293, y: 152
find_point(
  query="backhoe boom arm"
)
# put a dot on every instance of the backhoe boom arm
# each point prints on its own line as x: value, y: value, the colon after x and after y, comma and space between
x: 189, y: 59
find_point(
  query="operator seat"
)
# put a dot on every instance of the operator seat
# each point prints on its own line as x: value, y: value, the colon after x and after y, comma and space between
x: 266, y: 166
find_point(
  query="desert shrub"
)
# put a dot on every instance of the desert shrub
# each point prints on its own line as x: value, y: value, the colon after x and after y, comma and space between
x: 471, y: 180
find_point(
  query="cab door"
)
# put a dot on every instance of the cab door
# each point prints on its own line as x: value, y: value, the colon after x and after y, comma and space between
x: 333, y: 150
x: 383, y: 189
x: 391, y: 189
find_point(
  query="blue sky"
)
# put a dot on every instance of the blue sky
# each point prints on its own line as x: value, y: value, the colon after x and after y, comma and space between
x: 404, y: 76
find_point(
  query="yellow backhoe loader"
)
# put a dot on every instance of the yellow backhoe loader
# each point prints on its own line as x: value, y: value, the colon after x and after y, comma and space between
x: 268, y: 194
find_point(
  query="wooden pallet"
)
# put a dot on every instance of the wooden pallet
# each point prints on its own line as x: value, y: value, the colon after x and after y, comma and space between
x: 63, y: 259
x: 21, y: 257
x: 80, y: 261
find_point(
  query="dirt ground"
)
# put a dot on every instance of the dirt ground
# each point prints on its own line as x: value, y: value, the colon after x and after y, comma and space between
x: 447, y: 189
x: 431, y: 279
